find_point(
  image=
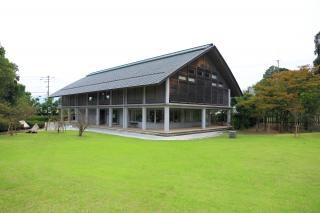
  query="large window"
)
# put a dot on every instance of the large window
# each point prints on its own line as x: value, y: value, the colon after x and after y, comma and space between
x: 175, y: 115
x: 155, y: 115
x: 135, y: 115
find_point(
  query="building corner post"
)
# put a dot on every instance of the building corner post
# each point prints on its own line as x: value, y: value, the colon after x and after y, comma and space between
x: 69, y: 115
x: 86, y: 115
x: 61, y: 114
x: 203, y: 118
x: 97, y: 116
x: 125, y: 118
x: 144, y: 118
x: 110, y: 117
x: 167, y: 91
x: 166, y: 119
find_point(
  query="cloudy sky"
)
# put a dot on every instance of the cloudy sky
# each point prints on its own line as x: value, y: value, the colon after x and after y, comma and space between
x: 69, y: 39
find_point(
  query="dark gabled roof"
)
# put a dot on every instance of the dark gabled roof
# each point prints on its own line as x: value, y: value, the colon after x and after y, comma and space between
x: 146, y: 72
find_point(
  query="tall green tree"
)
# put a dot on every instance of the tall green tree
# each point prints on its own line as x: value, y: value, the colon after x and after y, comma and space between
x: 316, y: 62
x: 15, y: 102
x: 273, y: 69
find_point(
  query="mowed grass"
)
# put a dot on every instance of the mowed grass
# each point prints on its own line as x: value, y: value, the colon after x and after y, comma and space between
x: 50, y: 172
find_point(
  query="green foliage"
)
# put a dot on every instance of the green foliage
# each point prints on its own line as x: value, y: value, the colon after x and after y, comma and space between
x: 37, y: 119
x: 47, y: 108
x: 273, y: 69
x: 284, y: 96
x: 3, y: 126
x: 15, y: 102
x: 245, y: 107
x: 10, y: 89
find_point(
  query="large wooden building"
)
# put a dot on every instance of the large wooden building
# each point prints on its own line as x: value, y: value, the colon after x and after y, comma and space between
x: 186, y: 89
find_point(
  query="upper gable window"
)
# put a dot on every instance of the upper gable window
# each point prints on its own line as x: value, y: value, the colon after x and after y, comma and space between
x: 182, y: 78
x: 214, y: 76
x: 192, y: 80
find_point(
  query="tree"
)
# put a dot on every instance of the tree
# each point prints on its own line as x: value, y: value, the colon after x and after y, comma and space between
x: 283, y: 98
x: 246, y: 111
x: 49, y: 107
x: 290, y: 93
x: 316, y: 61
x: 82, y: 123
x: 15, y: 102
x: 273, y: 69
x: 13, y: 114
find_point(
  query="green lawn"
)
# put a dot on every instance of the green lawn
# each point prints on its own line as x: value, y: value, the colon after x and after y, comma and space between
x: 50, y: 172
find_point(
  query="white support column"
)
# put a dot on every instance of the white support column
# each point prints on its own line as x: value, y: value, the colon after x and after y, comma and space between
x: 86, y: 115
x: 125, y: 117
x: 203, y: 118
x: 229, y: 117
x: 69, y: 115
x: 61, y: 114
x: 166, y: 119
x: 76, y: 114
x: 97, y: 116
x: 144, y: 118
x: 110, y: 117
x: 167, y: 90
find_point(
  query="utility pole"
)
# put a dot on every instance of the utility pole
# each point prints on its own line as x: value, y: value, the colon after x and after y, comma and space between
x: 47, y: 81
x: 278, y: 62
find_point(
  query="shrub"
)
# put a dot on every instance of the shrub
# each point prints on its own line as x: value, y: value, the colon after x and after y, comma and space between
x: 3, y: 127
x: 37, y: 119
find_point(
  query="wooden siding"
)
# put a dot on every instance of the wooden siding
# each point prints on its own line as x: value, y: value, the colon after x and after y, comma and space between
x: 199, y: 83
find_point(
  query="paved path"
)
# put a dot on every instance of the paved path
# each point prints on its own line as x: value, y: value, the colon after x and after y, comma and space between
x: 151, y: 137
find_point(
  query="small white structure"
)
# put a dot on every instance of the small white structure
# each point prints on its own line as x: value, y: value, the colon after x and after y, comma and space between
x: 24, y: 124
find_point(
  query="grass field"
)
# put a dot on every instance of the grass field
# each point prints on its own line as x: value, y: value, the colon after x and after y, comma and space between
x: 50, y: 172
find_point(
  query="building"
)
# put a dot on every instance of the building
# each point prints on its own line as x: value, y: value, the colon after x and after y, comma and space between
x: 186, y: 89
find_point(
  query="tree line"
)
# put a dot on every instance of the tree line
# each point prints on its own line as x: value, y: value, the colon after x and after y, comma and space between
x: 284, y: 100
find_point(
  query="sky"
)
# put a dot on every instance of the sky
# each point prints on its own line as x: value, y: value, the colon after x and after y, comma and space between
x: 70, y: 39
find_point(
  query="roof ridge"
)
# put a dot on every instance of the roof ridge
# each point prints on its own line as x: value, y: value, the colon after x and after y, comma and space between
x: 154, y: 58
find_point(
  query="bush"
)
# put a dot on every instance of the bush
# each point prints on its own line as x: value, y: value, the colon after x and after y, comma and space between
x: 3, y: 127
x: 37, y: 119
